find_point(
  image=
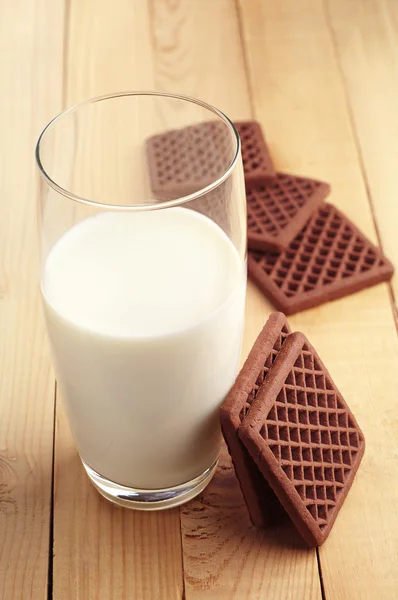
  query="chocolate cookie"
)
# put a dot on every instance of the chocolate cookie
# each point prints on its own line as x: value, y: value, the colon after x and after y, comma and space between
x: 260, y: 500
x: 184, y: 161
x: 304, y: 439
x: 278, y: 210
x: 257, y: 163
x: 328, y: 259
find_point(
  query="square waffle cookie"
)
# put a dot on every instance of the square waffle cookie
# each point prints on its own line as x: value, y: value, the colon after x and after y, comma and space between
x: 257, y: 163
x: 259, y: 498
x: 182, y: 161
x: 304, y: 439
x: 328, y: 259
x: 278, y: 210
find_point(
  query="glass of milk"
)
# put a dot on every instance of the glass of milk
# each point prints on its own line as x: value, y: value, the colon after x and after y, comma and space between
x: 143, y: 277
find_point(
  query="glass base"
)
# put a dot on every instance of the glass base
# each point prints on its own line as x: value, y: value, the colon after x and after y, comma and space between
x: 150, y: 499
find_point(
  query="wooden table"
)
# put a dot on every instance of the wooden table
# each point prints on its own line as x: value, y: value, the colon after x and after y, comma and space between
x: 322, y: 78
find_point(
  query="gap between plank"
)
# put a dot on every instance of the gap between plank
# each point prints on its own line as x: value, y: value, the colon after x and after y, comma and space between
x: 51, y: 528
x: 239, y: 18
x: 325, y: 6
x: 183, y: 595
x: 65, y: 69
x: 318, y: 559
x: 65, y: 54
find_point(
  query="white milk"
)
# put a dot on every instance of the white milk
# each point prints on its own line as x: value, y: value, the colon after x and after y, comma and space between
x: 145, y: 315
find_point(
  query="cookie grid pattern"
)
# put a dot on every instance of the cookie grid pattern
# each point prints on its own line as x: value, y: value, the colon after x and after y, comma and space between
x: 313, y: 437
x: 183, y: 161
x: 263, y: 373
x: 328, y: 259
x: 257, y: 163
x: 278, y: 210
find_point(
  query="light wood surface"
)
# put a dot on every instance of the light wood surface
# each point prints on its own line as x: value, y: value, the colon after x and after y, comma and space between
x: 365, y: 39
x: 322, y: 78
x: 31, y: 47
x: 302, y: 102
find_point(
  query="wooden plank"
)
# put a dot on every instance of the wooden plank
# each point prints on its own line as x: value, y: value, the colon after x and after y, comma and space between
x: 365, y: 36
x: 31, y: 36
x: 197, y: 53
x: 368, y: 58
x: 226, y: 557
x: 300, y: 98
x: 100, y: 550
x: 223, y: 556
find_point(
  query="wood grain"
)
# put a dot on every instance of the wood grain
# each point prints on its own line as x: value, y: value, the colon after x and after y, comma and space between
x: 365, y: 37
x: 311, y: 133
x: 200, y: 56
x: 31, y: 46
x: 226, y: 557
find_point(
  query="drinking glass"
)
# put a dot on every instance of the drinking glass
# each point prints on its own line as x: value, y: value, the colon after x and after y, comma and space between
x: 143, y: 276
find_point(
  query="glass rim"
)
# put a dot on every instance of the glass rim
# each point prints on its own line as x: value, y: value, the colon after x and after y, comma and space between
x: 137, y: 207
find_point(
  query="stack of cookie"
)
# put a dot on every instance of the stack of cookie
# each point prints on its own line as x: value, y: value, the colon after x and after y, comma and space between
x: 302, y: 250
x: 293, y: 440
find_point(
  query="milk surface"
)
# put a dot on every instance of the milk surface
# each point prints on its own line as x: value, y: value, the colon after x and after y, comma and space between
x: 145, y: 316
